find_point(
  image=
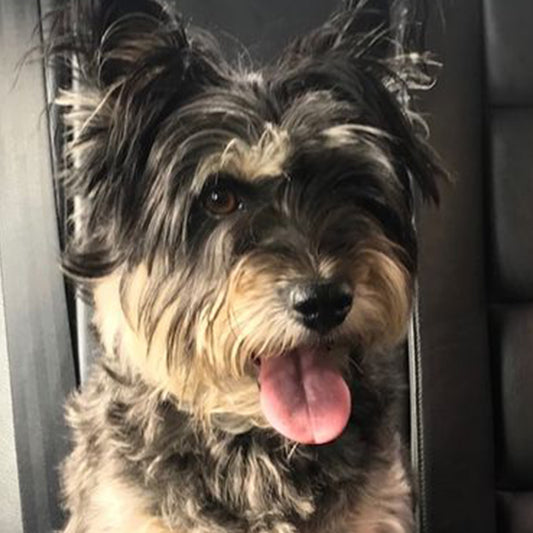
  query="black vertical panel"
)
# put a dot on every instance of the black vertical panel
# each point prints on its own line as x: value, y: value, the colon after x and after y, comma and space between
x: 36, y: 325
x: 456, y: 435
x: 262, y: 27
x: 56, y: 77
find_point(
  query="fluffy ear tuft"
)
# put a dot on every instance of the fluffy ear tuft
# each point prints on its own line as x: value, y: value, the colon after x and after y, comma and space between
x: 106, y: 41
x: 128, y: 64
x: 378, y: 44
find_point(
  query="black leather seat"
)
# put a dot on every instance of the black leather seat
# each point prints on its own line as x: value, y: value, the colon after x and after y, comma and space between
x: 473, y: 372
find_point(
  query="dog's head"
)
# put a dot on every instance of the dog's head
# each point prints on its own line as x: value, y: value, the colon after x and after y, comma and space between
x: 241, y: 226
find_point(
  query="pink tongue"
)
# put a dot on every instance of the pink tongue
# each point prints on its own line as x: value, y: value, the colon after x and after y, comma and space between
x: 303, y: 397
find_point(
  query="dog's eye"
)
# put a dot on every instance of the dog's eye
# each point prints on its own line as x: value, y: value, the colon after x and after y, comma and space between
x: 221, y: 200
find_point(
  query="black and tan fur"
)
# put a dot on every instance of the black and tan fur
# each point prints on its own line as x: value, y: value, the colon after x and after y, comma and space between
x: 325, y: 156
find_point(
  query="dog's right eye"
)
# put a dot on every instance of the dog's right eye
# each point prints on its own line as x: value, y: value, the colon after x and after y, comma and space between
x: 221, y: 200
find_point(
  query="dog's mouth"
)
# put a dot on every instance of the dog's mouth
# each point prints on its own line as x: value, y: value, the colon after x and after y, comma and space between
x: 304, y: 395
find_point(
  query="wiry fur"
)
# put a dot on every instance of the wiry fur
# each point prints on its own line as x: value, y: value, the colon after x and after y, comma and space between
x: 325, y: 153
x: 211, y: 480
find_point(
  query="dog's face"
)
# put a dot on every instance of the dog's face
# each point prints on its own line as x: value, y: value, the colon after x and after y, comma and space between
x: 244, y: 227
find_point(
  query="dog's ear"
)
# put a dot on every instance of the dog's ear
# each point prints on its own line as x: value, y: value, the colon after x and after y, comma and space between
x: 371, y: 51
x: 127, y: 65
x: 128, y: 61
x: 107, y: 41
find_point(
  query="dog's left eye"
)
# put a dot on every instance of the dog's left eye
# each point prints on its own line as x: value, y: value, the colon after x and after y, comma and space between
x: 221, y: 200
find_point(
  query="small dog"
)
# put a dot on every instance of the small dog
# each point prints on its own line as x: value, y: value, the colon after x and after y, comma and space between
x: 246, y: 240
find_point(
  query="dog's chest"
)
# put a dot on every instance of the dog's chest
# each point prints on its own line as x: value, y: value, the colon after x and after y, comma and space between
x: 250, y: 484
x: 211, y: 481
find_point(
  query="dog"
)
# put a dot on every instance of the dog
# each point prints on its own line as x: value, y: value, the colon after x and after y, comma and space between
x: 246, y: 240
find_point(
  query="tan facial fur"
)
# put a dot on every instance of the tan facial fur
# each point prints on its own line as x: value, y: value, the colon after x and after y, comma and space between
x: 263, y: 159
x: 247, y: 318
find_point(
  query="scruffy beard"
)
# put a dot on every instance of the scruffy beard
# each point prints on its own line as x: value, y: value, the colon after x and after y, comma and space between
x: 208, y: 357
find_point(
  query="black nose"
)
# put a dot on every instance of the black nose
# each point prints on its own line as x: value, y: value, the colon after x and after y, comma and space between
x: 321, y: 306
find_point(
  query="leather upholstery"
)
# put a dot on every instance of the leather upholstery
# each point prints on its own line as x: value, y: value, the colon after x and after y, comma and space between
x: 475, y: 356
x: 508, y: 45
x: 510, y: 227
x: 515, y: 512
x: 512, y: 333
x: 511, y: 198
